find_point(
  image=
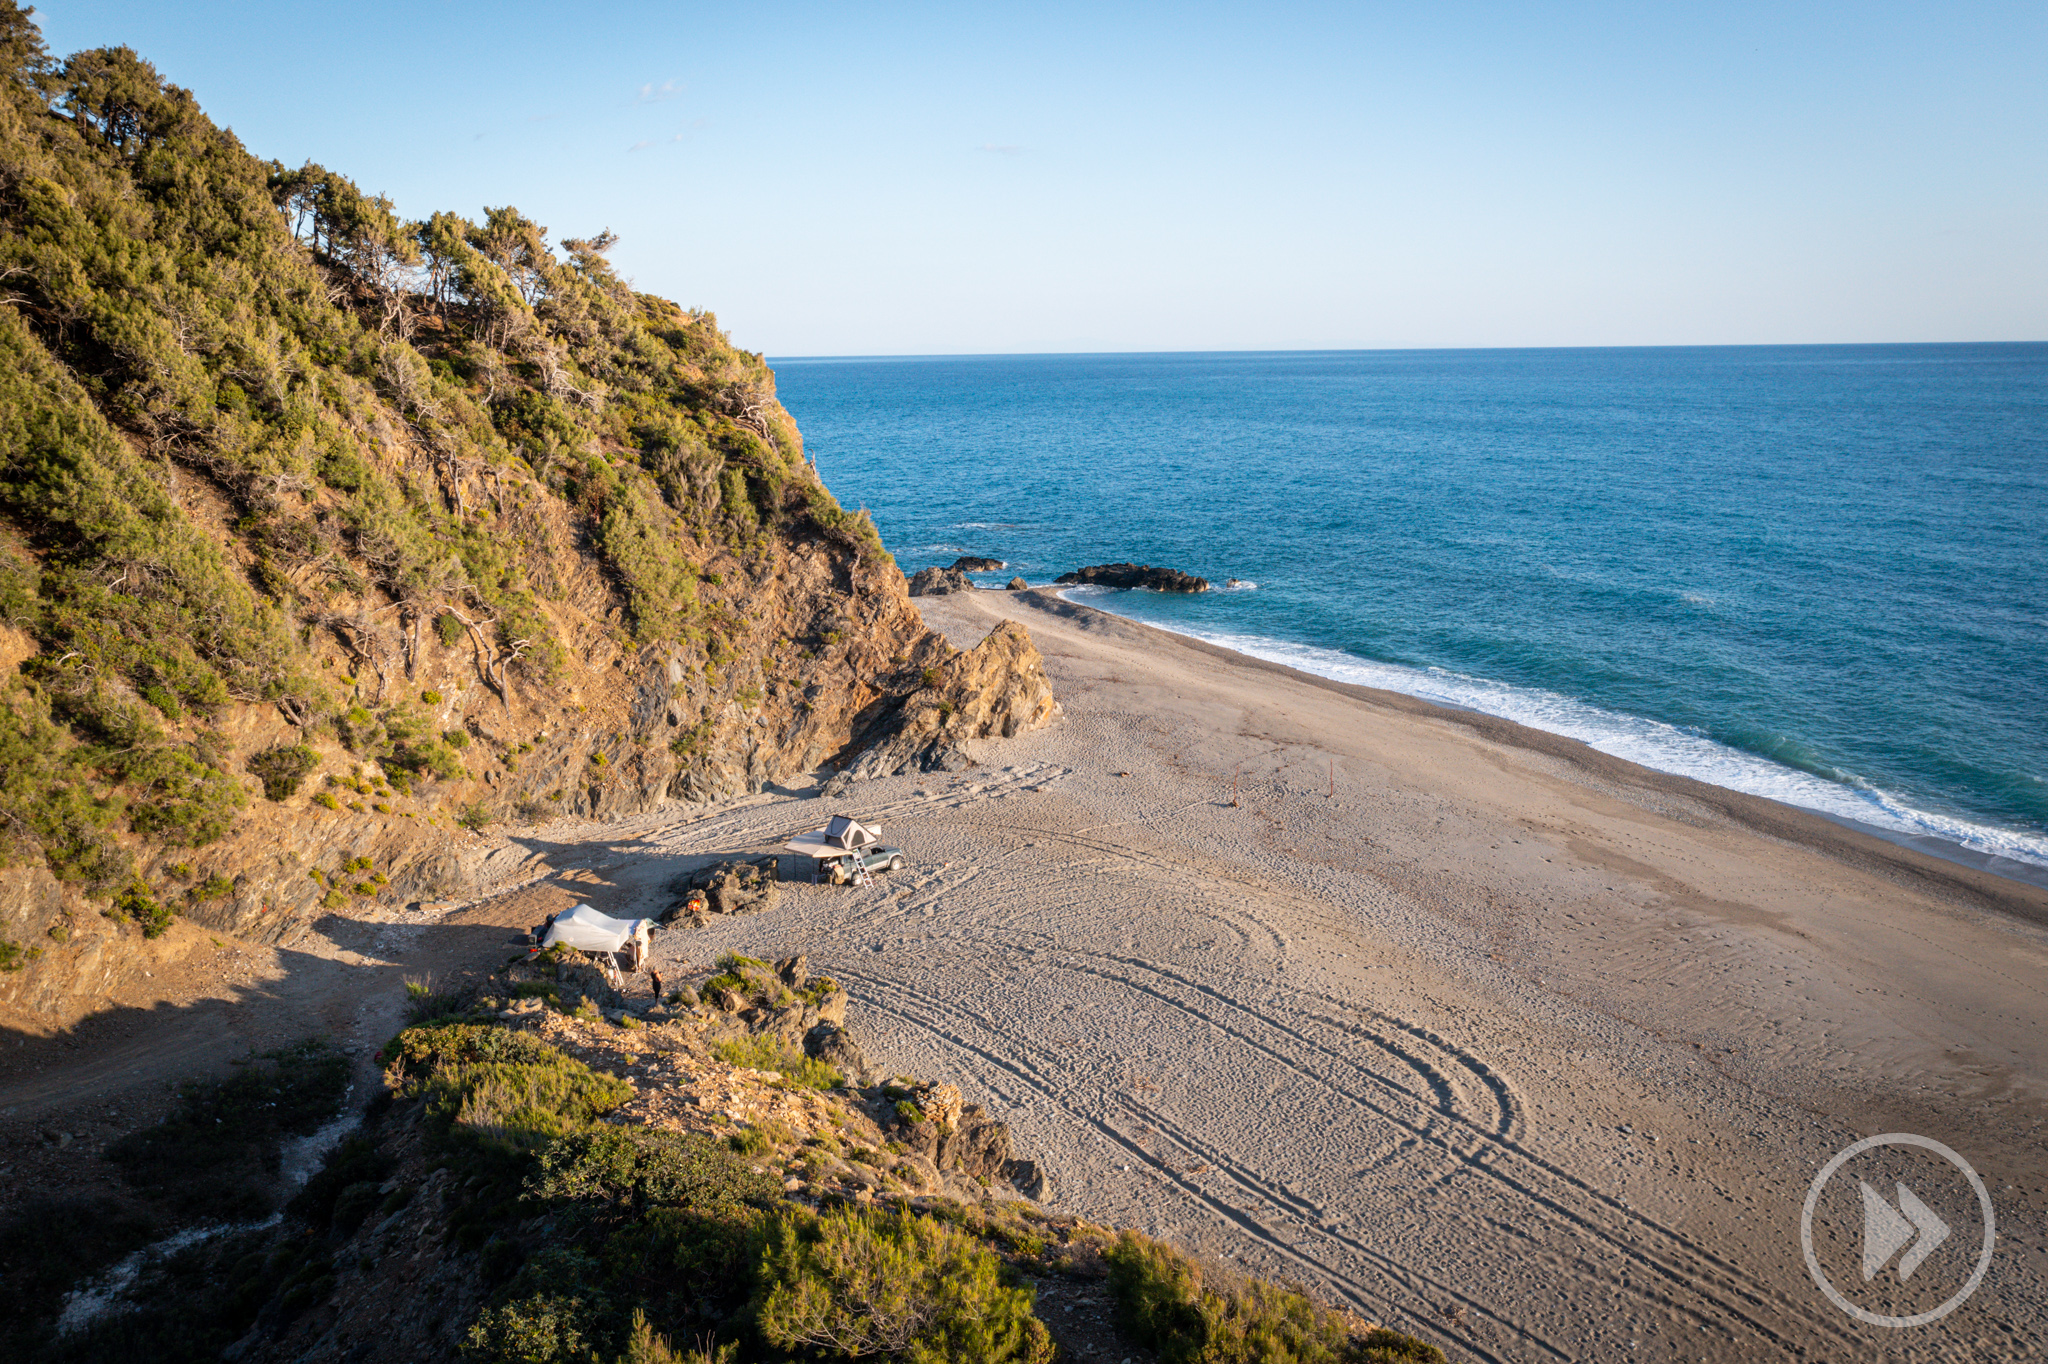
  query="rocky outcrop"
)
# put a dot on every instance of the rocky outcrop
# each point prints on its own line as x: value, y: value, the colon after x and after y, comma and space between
x: 739, y: 886
x: 1015, y: 585
x: 938, y: 582
x: 415, y: 633
x: 834, y: 1045
x: 997, y: 689
x: 970, y: 563
x: 1136, y: 576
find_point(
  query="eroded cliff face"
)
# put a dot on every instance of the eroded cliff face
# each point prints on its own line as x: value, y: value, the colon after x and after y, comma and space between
x: 328, y: 539
x: 827, y: 667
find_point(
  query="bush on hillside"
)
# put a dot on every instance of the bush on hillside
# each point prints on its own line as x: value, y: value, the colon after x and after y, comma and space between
x: 857, y: 1284
x: 282, y: 767
x: 1190, y: 1314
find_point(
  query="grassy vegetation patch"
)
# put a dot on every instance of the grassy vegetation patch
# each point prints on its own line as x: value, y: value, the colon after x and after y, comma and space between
x: 766, y: 1053
x: 501, y: 1088
x: 855, y: 1283
x: 1194, y: 1314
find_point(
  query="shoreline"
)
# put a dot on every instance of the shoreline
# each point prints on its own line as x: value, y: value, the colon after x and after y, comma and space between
x: 1921, y: 846
x: 1464, y: 1023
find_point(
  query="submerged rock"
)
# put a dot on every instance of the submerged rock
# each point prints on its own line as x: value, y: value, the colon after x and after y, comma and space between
x: 1136, y: 575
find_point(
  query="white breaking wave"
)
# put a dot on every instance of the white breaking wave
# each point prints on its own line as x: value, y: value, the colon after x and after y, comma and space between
x: 1649, y: 743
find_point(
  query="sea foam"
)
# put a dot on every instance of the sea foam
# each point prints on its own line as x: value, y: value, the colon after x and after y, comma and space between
x: 1658, y: 746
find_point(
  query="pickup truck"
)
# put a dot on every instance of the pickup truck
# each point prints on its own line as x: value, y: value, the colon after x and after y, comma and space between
x: 872, y: 860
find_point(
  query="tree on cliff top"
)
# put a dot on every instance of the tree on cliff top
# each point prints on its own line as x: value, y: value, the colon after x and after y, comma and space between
x: 381, y: 417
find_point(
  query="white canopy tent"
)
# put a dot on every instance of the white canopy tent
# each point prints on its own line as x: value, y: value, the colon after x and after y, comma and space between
x: 586, y: 930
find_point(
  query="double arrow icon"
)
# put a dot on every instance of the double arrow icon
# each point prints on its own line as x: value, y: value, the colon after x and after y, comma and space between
x: 1886, y: 1228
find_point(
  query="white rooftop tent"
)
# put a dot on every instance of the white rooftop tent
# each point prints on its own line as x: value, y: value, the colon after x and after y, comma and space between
x: 586, y: 930
x: 842, y: 836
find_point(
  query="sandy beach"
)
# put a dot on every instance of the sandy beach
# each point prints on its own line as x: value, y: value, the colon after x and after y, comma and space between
x: 1496, y: 1039
x: 1506, y: 1042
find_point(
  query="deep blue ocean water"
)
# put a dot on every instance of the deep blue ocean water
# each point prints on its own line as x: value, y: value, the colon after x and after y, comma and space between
x: 1818, y: 574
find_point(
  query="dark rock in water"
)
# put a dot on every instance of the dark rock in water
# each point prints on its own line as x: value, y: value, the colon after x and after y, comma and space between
x: 1135, y: 575
x: 1016, y: 585
x: 833, y: 1045
x: 938, y: 582
x: 970, y: 563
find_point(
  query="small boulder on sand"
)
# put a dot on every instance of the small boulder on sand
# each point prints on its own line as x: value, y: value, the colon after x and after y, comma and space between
x: 938, y: 582
x: 737, y: 887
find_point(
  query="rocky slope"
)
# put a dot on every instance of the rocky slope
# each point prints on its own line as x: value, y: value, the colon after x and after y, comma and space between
x: 325, y: 535
x: 550, y: 1164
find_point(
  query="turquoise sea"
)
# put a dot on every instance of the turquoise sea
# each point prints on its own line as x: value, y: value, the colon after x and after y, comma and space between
x: 1815, y: 573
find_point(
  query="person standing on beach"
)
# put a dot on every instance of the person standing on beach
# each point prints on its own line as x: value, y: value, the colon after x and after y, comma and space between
x: 655, y: 977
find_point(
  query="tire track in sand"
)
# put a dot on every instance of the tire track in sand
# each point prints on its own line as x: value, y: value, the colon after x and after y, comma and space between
x: 1690, y: 1272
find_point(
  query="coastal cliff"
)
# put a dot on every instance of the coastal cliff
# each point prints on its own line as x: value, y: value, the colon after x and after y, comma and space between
x: 328, y: 538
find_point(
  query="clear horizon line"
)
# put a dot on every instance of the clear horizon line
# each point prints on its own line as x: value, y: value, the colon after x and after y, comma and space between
x: 1389, y: 350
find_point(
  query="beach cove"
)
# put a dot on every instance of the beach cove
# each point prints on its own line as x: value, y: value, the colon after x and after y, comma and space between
x: 1509, y: 1043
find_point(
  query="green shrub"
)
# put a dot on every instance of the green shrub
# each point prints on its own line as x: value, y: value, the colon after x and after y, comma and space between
x: 137, y: 904
x: 362, y: 732
x: 640, y: 1167
x: 475, y: 816
x: 180, y: 800
x: 416, y: 1051
x: 750, y: 1142
x: 766, y: 1053
x: 643, y: 1346
x: 895, y: 1285
x: 13, y: 956
x: 1189, y: 1314
x: 214, y: 887
x: 345, y: 1188
x: 455, y: 738
x: 541, y: 1329
x: 282, y: 768
x: 517, y: 1095
x: 448, y: 629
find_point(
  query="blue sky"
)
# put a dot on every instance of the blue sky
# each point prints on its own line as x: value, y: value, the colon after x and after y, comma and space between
x: 840, y: 178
